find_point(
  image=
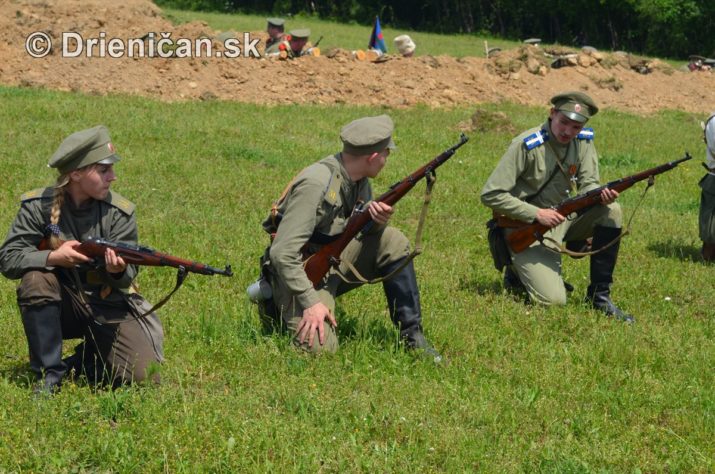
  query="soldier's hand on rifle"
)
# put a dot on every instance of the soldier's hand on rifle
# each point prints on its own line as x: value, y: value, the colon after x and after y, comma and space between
x: 114, y: 263
x: 380, y: 212
x: 313, y: 319
x: 608, y: 196
x: 66, y: 256
x: 549, y: 217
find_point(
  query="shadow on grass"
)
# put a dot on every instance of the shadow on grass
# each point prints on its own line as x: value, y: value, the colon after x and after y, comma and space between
x: 685, y: 252
x: 482, y: 286
x: 19, y: 374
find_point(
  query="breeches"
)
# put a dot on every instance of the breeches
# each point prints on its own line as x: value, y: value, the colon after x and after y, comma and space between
x: 369, y: 254
x: 539, y: 268
x: 124, y: 348
x: 707, y: 209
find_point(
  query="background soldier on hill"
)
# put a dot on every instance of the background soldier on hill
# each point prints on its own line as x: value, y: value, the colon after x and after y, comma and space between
x: 542, y: 167
x: 293, y: 45
x: 275, y: 31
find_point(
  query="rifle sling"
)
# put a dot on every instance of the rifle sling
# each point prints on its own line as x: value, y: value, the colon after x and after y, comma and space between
x: 181, y: 275
x: 430, y: 177
x: 561, y: 247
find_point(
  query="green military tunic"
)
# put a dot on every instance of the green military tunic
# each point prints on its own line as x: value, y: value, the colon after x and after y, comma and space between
x: 113, y: 305
x: 537, y: 172
x: 522, y: 172
x: 273, y: 47
x: 314, y: 211
x: 112, y: 219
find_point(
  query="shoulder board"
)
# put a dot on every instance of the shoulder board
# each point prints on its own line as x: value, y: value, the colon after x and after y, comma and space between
x: 586, y: 134
x: 39, y: 193
x: 536, y: 139
x: 120, y: 202
x: 332, y: 190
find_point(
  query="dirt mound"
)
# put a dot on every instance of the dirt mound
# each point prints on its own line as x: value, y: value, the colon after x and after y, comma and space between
x: 527, y: 75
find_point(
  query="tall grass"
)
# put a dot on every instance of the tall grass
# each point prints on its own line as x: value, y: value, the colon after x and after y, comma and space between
x: 526, y: 388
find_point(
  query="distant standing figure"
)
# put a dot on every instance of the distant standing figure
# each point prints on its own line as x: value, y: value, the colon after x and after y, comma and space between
x: 405, y: 45
x: 707, y: 196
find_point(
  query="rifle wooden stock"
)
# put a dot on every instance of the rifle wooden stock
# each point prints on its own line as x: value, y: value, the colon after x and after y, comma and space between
x: 526, y: 234
x: 318, y: 264
x: 94, y: 247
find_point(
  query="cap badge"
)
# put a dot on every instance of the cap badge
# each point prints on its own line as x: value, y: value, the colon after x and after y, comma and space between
x: 111, y: 147
x: 577, y: 108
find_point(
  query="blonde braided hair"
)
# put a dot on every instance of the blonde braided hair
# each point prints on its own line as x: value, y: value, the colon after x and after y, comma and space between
x: 58, y: 200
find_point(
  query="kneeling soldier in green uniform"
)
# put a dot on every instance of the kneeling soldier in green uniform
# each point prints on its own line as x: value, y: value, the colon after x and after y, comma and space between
x: 62, y: 294
x: 542, y: 167
x: 313, y: 211
x: 707, y: 196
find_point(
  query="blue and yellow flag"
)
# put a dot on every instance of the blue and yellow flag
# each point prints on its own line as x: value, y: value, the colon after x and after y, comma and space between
x: 377, y: 41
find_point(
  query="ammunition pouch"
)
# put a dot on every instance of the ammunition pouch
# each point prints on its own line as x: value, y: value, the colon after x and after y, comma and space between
x: 497, y: 245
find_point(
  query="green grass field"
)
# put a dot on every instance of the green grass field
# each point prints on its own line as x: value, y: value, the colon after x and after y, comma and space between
x: 526, y: 388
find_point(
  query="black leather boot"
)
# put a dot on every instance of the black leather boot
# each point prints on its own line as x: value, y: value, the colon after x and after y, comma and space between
x: 512, y: 283
x: 603, y: 264
x: 403, y: 301
x: 708, y: 252
x: 44, y: 338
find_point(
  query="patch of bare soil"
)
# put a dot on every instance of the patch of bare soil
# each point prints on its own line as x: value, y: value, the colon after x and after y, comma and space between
x: 527, y: 75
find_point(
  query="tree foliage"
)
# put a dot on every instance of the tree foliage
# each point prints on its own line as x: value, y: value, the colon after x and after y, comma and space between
x: 672, y: 28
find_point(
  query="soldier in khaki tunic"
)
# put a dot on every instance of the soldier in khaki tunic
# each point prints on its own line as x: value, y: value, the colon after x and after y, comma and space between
x: 62, y: 294
x: 542, y: 167
x: 314, y: 211
x: 707, y: 196
x: 294, y: 45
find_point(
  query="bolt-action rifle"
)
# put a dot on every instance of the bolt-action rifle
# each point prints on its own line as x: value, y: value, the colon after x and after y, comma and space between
x: 94, y: 247
x: 318, y: 264
x: 523, y: 234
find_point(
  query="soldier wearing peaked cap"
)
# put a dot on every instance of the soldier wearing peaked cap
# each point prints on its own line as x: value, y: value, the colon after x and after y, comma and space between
x: 313, y: 211
x: 294, y: 45
x: 62, y: 294
x: 542, y: 167
x: 275, y: 29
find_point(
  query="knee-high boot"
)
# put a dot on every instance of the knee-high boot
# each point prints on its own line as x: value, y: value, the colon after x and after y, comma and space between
x: 708, y: 252
x: 403, y: 300
x: 603, y: 264
x: 44, y: 338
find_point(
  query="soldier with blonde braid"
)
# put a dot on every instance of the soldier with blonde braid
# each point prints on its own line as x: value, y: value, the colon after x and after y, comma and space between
x: 62, y: 293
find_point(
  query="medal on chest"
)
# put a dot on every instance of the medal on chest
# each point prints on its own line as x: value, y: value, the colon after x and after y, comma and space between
x: 573, y: 180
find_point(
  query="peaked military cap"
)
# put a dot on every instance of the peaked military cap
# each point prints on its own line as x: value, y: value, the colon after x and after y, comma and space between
x: 300, y: 33
x: 575, y: 105
x: 84, y: 148
x: 276, y: 21
x: 368, y: 135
